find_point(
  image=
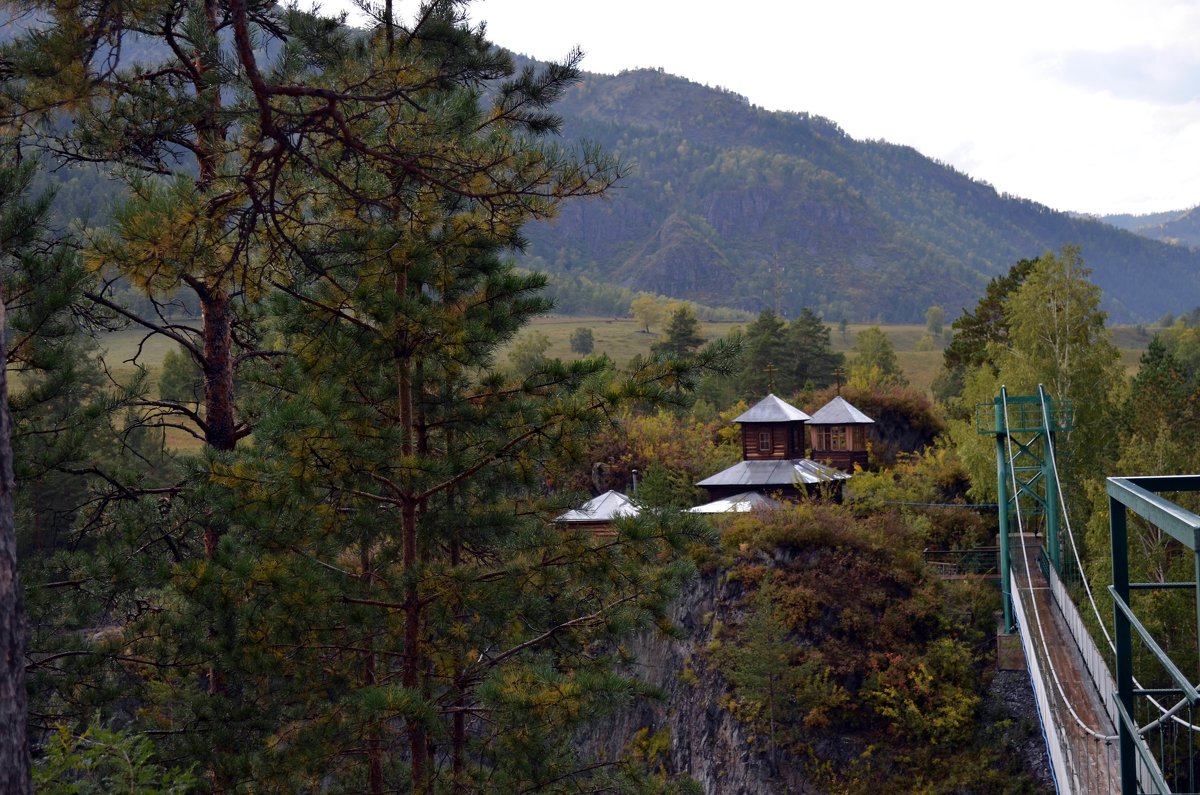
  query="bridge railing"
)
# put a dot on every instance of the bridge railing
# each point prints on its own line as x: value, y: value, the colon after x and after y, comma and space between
x: 1097, y: 667
x: 1056, y: 741
x: 977, y: 561
x: 1141, y: 496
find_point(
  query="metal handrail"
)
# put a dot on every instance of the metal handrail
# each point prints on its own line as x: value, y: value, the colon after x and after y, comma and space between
x: 1142, y: 497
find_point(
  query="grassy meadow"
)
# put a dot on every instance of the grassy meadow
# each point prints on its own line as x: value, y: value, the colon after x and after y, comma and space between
x: 622, y: 338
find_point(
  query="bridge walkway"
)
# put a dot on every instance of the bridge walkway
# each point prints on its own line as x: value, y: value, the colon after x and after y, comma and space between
x: 1093, y: 764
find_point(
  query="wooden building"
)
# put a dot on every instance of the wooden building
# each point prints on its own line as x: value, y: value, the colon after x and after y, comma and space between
x: 838, y: 433
x: 773, y: 462
x: 772, y: 429
x: 598, y: 515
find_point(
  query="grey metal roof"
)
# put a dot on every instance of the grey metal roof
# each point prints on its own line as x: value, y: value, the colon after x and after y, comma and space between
x: 738, y: 503
x: 839, y: 412
x: 775, y: 473
x: 772, y: 409
x: 608, y: 506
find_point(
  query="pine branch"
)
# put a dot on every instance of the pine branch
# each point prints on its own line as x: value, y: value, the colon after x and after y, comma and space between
x: 492, y: 662
x: 141, y: 321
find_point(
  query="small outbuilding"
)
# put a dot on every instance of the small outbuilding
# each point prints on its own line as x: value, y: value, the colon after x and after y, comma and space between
x: 598, y: 514
x: 838, y: 432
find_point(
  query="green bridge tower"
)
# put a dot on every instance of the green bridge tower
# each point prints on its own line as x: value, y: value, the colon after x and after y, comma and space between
x: 1024, y: 427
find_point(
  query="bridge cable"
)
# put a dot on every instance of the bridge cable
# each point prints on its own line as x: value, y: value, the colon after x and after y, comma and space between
x: 1066, y: 517
x: 1076, y: 767
x: 1029, y: 578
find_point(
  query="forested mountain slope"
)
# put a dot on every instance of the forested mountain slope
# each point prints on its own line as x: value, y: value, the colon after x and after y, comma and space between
x: 1181, y: 227
x: 727, y: 203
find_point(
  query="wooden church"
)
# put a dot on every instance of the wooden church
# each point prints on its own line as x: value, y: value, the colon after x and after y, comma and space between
x: 777, y: 462
x: 773, y: 461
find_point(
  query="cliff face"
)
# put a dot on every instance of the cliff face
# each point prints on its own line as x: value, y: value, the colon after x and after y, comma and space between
x: 700, y: 737
x: 706, y: 742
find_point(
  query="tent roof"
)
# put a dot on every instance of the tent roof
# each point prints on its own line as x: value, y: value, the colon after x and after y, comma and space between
x: 772, y: 409
x: 839, y: 412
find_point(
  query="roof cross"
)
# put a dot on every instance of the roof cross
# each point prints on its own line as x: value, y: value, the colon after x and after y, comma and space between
x: 770, y: 370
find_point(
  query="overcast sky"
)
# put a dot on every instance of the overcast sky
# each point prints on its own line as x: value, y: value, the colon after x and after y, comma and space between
x: 1084, y: 105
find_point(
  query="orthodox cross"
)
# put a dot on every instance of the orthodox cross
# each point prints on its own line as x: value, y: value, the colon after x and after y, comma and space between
x: 837, y: 377
x: 770, y: 369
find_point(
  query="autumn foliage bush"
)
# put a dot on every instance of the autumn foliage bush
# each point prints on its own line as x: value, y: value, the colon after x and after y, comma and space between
x: 842, y: 631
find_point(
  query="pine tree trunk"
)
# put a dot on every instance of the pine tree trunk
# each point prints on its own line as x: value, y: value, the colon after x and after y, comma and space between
x: 220, y: 433
x: 370, y: 679
x: 411, y: 666
x: 218, y: 370
x: 418, y: 745
x: 14, y: 750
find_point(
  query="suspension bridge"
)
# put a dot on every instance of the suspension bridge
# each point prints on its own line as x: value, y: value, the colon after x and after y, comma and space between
x: 1137, y: 731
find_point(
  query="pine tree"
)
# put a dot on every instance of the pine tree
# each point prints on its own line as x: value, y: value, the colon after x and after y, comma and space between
x: 683, y: 334
x: 403, y: 539
x: 385, y: 538
x: 166, y: 124
x: 973, y: 332
x: 766, y: 346
x: 388, y: 518
x: 18, y: 223
x: 813, y: 357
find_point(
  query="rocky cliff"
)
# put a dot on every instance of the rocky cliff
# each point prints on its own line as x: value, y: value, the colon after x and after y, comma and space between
x: 695, y: 730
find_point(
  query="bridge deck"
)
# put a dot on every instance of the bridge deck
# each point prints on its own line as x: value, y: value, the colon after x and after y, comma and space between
x: 1095, y: 764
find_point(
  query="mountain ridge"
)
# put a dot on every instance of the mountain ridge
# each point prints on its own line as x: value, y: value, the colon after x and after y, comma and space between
x: 731, y: 204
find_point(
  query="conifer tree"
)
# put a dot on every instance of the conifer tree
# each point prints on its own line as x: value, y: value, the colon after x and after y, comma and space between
x: 149, y: 92
x: 404, y: 539
x: 17, y: 230
x: 683, y: 334
x: 765, y: 347
x: 973, y: 332
x: 814, y: 359
x: 57, y: 431
x: 371, y: 590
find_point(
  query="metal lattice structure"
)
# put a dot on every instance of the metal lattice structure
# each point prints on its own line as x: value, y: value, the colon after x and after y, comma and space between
x: 1177, y: 754
x: 1150, y: 711
x: 1026, y: 424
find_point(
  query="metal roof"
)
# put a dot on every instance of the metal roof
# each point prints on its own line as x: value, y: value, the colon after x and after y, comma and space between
x: 839, y: 412
x: 607, y: 507
x: 772, y: 409
x: 738, y: 503
x: 775, y: 473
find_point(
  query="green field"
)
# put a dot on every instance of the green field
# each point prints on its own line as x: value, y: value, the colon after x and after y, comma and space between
x: 130, y: 348
x: 621, y: 339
